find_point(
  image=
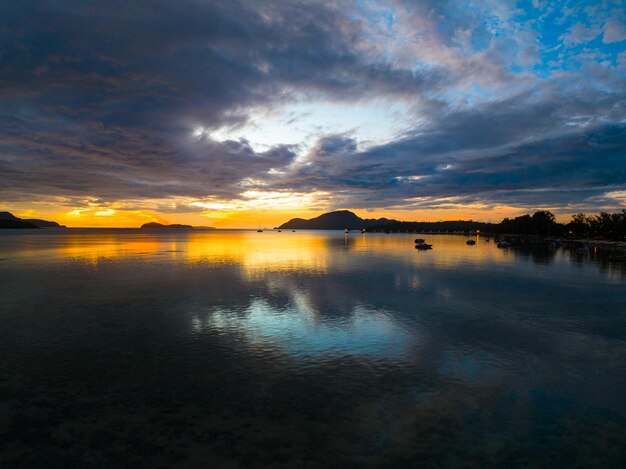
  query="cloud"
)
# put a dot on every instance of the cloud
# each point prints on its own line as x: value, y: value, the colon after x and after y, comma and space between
x: 614, y: 31
x: 579, y: 34
x: 521, y: 152
x: 102, y: 101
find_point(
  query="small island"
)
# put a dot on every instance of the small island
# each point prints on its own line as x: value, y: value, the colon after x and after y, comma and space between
x: 160, y: 226
x: 337, y: 220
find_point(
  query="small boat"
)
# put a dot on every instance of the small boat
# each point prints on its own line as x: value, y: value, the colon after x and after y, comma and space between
x: 259, y: 231
x: 503, y: 244
x: 470, y: 242
x: 293, y: 231
x: 419, y: 240
x: 423, y: 246
x: 280, y: 231
x: 487, y: 240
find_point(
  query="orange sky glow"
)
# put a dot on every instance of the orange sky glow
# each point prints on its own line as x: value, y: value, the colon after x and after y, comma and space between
x: 257, y: 213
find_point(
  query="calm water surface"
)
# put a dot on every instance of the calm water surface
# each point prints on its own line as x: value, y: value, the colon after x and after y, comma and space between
x: 121, y: 348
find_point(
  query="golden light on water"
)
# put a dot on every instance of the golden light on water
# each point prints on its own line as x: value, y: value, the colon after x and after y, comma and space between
x: 257, y: 254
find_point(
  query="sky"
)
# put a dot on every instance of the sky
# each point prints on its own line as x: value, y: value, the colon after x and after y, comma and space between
x: 240, y: 113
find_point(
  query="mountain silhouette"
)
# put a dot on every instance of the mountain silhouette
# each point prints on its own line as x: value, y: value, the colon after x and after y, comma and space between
x: 337, y: 220
x: 8, y: 220
x: 175, y: 226
x: 8, y: 216
x: 5, y: 223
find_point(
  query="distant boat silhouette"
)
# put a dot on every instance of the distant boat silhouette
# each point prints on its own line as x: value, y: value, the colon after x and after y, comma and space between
x: 421, y: 245
x: 470, y: 242
x: 259, y: 230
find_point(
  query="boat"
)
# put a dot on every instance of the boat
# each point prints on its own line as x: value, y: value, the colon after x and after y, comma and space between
x: 421, y: 245
x: 503, y: 244
x: 470, y: 242
x: 280, y: 231
x: 259, y: 230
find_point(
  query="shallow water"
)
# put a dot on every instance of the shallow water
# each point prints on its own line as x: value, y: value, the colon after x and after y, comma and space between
x: 308, y: 349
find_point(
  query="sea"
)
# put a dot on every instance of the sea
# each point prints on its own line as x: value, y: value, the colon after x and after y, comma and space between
x: 135, y: 348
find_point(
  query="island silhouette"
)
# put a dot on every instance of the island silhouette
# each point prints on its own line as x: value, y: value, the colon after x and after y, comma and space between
x: 8, y: 220
x: 542, y: 223
x: 160, y: 226
x: 337, y: 220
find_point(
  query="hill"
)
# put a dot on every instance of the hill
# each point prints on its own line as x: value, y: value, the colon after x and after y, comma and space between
x: 4, y: 223
x: 43, y: 223
x: 8, y: 220
x: 7, y: 216
x: 337, y: 220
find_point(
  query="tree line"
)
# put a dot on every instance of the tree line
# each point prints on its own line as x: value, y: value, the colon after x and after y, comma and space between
x: 604, y: 226
x: 610, y: 226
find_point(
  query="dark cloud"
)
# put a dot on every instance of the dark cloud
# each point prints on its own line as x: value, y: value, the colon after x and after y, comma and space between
x: 513, y: 152
x: 100, y: 99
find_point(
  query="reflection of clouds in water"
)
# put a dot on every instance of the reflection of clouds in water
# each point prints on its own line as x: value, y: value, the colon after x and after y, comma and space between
x: 298, y: 329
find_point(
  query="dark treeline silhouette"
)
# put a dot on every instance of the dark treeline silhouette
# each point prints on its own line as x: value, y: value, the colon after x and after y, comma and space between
x: 436, y: 227
x: 609, y: 226
x: 602, y: 226
x: 540, y: 223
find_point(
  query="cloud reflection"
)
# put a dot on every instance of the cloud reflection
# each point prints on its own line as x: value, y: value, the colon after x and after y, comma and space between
x: 299, y: 331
